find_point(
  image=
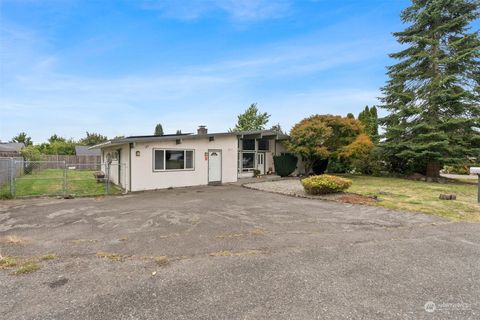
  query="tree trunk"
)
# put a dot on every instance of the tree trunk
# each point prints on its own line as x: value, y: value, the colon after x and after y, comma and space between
x: 433, y: 170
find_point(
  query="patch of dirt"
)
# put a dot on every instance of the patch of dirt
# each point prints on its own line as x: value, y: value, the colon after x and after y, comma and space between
x: 58, y: 283
x: 355, y: 199
x: 16, y: 240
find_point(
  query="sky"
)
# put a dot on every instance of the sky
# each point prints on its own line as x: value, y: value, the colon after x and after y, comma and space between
x: 120, y: 67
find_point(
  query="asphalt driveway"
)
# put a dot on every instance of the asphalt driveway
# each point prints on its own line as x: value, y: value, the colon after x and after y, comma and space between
x: 227, y: 252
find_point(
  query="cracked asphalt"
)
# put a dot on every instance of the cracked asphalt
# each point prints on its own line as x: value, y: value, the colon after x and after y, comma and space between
x: 234, y: 253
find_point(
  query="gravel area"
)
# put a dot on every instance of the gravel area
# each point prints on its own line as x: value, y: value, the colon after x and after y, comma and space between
x: 290, y: 187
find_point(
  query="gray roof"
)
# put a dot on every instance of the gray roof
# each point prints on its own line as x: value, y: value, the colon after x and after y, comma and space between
x: 86, y: 151
x: 243, y: 134
x: 11, y: 146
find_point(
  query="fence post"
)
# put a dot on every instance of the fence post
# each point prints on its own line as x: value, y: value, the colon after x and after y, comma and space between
x: 64, y: 178
x: 11, y: 176
x: 13, y: 180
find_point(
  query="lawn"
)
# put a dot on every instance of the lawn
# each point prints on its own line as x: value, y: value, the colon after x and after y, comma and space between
x: 51, y: 182
x: 419, y: 196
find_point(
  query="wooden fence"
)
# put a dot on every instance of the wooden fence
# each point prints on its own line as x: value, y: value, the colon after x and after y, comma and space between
x: 82, y: 162
x: 73, y: 159
x: 9, y: 154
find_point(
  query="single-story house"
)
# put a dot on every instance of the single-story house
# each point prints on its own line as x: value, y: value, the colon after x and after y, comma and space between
x: 156, y: 162
x: 86, y: 151
x: 11, y: 149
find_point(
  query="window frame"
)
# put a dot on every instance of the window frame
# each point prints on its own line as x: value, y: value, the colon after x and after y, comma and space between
x: 246, y: 169
x: 165, y: 163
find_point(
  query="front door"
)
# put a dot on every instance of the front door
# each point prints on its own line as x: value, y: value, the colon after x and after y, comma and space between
x: 214, y: 167
x: 261, y: 162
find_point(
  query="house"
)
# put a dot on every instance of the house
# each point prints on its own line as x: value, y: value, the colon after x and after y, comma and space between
x: 156, y: 162
x: 86, y: 151
x: 11, y: 149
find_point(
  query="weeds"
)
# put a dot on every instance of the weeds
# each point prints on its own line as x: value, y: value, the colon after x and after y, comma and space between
x: 112, y: 256
x: 27, y: 267
x: 50, y: 256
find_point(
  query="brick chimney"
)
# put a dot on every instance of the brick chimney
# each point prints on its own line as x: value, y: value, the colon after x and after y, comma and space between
x: 202, y: 130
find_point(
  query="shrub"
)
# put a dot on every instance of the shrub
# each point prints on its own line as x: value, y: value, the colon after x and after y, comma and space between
x: 325, y: 183
x: 285, y: 164
x: 338, y: 165
x: 320, y: 166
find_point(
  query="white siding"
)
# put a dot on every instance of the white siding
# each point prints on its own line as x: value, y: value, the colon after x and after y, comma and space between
x: 144, y: 178
x: 123, y: 179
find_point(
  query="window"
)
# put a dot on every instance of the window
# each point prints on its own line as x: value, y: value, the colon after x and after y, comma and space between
x: 164, y: 160
x: 248, y: 144
x: 263, y: 145
x: 174, y: 159
x: 159, y: 160
x: 248, y: 161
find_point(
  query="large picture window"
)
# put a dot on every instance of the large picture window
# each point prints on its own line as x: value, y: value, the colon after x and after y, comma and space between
x: 175, y: 159
x: 248, y: 161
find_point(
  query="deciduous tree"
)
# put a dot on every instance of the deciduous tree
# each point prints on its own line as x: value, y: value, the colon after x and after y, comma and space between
x: 22, y: 137
x: 252, y: 119
x: 92, y: 139
x: 322, y: 136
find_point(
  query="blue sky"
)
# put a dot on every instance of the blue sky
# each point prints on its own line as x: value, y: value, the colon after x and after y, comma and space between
x: 120, y: 67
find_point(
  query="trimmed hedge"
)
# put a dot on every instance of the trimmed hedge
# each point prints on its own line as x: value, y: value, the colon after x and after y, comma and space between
x: 285, y: 164
x: 325, y: 183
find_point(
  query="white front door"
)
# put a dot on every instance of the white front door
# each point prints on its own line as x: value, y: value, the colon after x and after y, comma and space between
x: 261, y: 162
x: 214, y: 166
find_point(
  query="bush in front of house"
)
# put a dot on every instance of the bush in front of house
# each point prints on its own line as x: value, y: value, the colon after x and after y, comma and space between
x: 285, y: 164
x: 325, y: 183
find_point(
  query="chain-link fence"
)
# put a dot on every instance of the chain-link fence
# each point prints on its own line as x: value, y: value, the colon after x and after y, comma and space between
x: 23, y: 178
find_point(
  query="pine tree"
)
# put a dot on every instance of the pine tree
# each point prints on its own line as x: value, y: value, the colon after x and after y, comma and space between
x: 433, y: 92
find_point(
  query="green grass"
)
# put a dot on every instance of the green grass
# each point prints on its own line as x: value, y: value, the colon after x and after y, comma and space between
x: 419, y: 196
x: 27, y: 267
x: 51, y: 182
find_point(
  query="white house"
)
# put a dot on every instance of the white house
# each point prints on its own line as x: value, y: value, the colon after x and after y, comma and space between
x: 156, y: 162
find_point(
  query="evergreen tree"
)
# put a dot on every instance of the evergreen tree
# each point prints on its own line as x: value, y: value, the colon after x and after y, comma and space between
x: 369, y: 118
x: 158, y: 130
x: 433, y: 92
x: 251, y: 119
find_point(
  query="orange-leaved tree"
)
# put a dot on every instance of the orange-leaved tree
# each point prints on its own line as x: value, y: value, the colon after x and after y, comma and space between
x: 323, y: 136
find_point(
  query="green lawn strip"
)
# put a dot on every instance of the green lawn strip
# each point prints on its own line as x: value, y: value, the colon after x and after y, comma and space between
x: 51, y: 182
x: 419, y: 196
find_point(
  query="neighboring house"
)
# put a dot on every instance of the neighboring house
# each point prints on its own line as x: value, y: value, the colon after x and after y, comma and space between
x: 11, y: 149
x: 157, y: 162
x: 87, y: 151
